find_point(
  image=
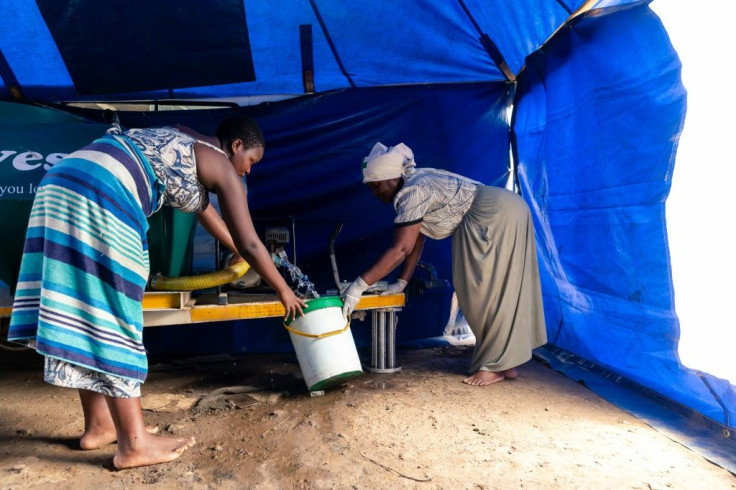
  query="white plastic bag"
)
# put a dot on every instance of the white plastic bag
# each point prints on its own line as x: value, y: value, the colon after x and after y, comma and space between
x: 457, y: 331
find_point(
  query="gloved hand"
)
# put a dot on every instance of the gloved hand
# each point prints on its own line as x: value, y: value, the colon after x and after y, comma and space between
x: 395, y: 288
x: 352, y: 295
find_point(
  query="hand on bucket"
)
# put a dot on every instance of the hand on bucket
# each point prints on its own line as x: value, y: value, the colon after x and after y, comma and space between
x: 352, y: 295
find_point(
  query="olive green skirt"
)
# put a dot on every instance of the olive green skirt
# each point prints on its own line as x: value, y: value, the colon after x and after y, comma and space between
x: 496, y: 278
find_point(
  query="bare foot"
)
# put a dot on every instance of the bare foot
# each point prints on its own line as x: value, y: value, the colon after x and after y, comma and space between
x: 484, y: 378
x: 97, y: 437
x: 152, y: 450
x: 510, y: 373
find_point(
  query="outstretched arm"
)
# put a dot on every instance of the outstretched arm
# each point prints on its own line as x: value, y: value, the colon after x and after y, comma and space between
x: 407, y: 245
x: 410, y: 263
x: 212, y: 222
x: 217, y: 174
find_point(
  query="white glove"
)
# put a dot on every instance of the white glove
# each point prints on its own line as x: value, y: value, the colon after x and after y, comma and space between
x: 352, y: 295
x: 395, y: 288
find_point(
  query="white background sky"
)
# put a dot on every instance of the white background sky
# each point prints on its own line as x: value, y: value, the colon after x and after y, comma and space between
x: 700, y: 208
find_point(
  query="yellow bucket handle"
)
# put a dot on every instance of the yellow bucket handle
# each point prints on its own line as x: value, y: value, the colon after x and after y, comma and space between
x: 317, y: 336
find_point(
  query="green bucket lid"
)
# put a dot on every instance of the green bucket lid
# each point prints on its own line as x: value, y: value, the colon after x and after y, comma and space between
x: 320, y: 303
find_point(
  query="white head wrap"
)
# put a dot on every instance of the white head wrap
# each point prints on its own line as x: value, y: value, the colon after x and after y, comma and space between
x: 384, y: 163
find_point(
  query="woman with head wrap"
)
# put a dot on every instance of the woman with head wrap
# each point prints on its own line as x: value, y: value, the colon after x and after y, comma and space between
x: 494, y: 258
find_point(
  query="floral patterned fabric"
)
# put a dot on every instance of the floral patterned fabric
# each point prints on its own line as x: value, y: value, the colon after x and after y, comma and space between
x: 171, y: 154
x: 67, y: 375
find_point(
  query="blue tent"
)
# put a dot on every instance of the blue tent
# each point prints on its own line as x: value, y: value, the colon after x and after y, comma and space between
x: 579, y: 104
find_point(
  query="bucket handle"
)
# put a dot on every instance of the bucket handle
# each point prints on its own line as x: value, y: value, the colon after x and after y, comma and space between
x: 317, y: 336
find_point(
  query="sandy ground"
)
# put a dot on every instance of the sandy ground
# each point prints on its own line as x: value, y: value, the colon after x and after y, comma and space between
x: 419, y: 428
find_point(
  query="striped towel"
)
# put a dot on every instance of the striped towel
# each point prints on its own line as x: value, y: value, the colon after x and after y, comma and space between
x: 85, y: 260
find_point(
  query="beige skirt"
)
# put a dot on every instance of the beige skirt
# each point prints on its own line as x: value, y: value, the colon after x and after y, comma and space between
x: 496, y: 278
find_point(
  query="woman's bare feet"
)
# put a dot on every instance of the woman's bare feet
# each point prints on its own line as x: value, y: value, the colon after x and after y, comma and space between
x: 136, y: 447
x: 485, y: 378
x: 97, y: 437
x: 151, y: 450
x: 99, y: 428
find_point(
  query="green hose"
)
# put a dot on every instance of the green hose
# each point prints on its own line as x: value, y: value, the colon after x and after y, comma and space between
x: 201, y: 281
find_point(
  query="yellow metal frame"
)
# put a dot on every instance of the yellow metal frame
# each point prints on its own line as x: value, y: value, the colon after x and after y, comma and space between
x: 176, y: 308
x: 217, y: 313
x: 239, y: 308
x: 167, y: 300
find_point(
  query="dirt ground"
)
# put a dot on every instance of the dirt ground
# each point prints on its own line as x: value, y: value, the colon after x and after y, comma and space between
x: 257, y: 427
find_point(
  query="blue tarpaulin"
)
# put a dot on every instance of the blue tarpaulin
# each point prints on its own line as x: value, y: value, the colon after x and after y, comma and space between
x: 580, y: 103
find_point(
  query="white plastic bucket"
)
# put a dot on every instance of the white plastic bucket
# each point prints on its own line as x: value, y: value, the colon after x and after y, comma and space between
x: 324, y: 344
